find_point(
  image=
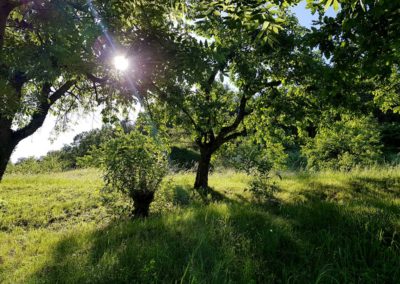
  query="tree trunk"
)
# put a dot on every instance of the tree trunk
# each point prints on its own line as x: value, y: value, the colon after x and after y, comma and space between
x: 7, y: 145
x: 201, y: 182
x: 142, y: 201
x: 5, y: 9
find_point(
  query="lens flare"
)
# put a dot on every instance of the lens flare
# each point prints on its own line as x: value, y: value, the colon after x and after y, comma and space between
x: 121, y: 62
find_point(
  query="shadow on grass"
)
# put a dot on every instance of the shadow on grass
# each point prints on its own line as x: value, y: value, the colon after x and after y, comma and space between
x: 313, y: 241
x: 209, y: 244
x: 359, y: 191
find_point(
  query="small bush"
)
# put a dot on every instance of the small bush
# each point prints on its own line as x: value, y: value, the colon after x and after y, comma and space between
x: 134, y: 164
x: 262, y: 187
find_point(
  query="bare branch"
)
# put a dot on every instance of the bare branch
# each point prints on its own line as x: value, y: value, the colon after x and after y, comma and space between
x: 235, y: 135
x: 239, y: 118
x: 182, y: 108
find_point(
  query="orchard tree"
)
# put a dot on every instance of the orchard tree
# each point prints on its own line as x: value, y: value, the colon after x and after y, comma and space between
x: 45, y: 49
x: 134, y: 164
x: 236, y: 62
x: 58, y: 55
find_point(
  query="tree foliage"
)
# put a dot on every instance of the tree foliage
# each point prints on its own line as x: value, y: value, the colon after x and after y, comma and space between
x: 344, y: 144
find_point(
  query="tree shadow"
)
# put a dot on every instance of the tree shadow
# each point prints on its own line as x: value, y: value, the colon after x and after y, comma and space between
x: 204, y: 245
x: 339, y: 233
x: 359, y: 191
x: 303, y: 242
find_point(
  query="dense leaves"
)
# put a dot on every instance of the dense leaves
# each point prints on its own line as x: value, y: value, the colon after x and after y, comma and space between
x: 134, y: 164
x: 344, y: 144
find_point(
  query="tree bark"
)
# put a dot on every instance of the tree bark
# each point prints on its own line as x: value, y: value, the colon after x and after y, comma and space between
x: 8, y: 143
x: 141, y: 203
x: 5, y: 9
x: 9, y: 139
x: 203, y: 168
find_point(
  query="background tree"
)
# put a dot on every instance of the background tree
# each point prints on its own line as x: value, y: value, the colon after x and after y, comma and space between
x: 362, y: 45
x: 344, y: 144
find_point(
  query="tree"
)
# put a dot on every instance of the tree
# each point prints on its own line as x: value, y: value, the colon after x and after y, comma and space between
x: 362, y: 43
x: 56, y: 56
x: 344, y: 144
x: 239, y: 42
x: 45, y: 51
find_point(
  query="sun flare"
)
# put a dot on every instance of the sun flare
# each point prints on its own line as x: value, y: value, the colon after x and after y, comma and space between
x: 121, y: 62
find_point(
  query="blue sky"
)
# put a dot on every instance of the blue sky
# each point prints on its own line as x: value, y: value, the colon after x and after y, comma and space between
x: 45, y: 139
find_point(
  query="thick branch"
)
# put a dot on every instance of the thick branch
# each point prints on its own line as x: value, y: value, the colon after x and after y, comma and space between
x: 182, y: 108
x: 6, y: 6
x: 40, y: 115
x: 219, y: 67
x: 239, y: 118
x: 5, y: 10
x: 235, y: 135
x: 96, y: 79
x: 224, y: 135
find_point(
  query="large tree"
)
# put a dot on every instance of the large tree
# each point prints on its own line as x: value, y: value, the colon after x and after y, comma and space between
x: 57, y: 56
x: 45, y: 50
x: 237, y: 61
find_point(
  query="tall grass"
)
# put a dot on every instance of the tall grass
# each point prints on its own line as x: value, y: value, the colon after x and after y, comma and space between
x: 328, y: 227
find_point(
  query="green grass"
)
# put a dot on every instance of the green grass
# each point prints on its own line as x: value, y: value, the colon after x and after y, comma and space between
x: 327, y: 228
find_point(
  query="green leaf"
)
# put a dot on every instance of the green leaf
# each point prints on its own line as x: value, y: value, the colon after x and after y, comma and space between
x: 335, y: 5
x: 265, y: 25
x: 362, y: 5
x: 327, y: 5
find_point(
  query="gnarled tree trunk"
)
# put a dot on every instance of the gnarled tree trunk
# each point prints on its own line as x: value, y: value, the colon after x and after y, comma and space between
x: 141, y: 203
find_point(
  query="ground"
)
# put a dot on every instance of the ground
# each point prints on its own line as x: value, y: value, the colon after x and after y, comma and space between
x: 325, y: 228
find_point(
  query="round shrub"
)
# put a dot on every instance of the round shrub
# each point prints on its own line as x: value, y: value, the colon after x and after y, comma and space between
x: 135, y: 165
x: 344, y: 144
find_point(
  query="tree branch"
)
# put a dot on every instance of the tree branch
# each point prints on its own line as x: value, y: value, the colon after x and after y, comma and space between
x: 42, y: 110
x: 219, y: 67
x: 96, y: 79
x: 235, y: 135
x: 241, y: 114
x: 182, y: 108
x: 239, y: 118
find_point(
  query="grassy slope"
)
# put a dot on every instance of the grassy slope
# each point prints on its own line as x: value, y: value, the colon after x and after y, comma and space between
x: 328, y: 228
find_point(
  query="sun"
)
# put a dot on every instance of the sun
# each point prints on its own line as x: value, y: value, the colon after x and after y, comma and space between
x: 121, y: 62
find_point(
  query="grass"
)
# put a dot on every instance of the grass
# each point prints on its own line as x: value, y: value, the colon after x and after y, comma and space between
x: 327, y: 228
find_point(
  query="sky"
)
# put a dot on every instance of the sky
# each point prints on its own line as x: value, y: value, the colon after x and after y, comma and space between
x: 45, y: 139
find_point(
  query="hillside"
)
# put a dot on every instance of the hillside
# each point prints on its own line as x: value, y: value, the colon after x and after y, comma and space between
x: 325, y: 228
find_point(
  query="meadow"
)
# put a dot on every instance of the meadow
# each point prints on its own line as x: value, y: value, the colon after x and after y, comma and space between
x: 328, y: 227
